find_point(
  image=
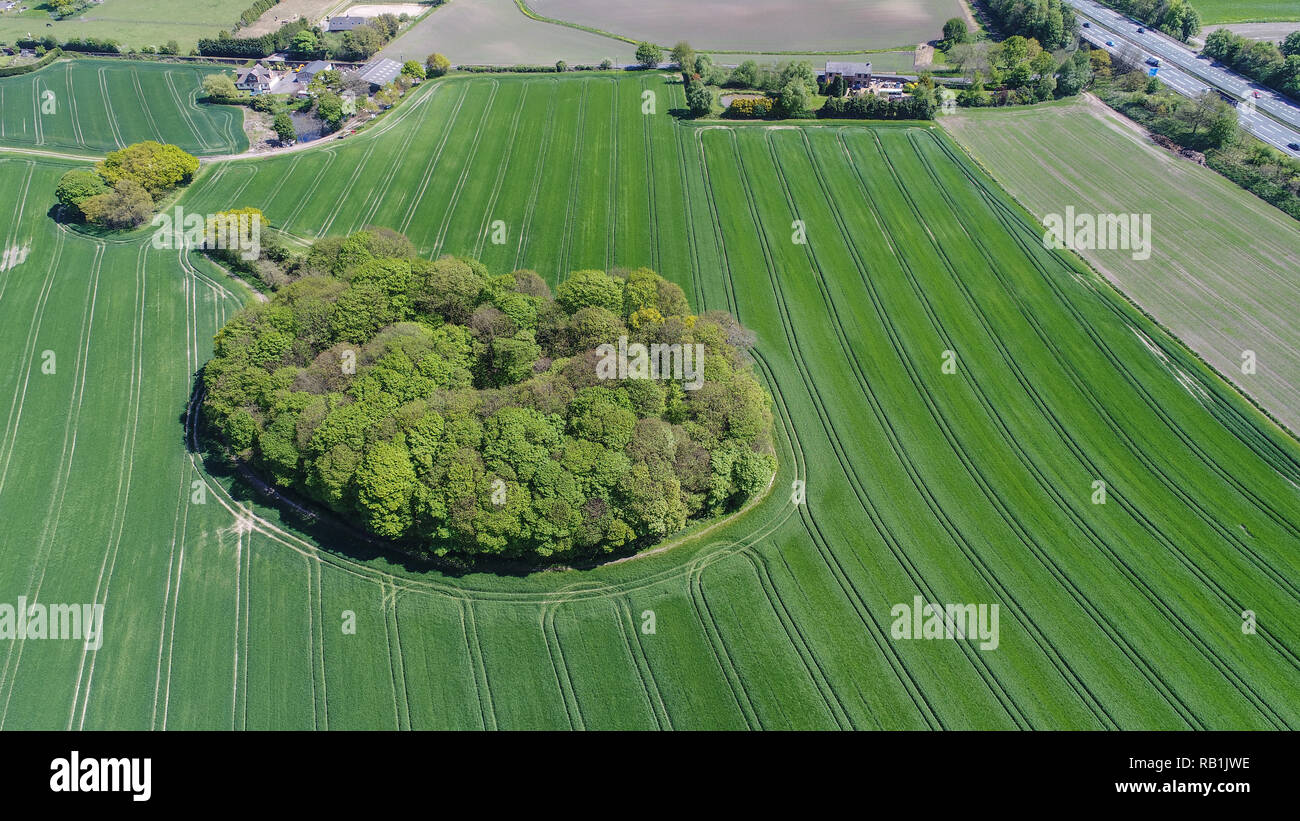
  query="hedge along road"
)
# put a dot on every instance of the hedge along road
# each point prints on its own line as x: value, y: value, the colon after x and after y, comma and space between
x: 975, y: 486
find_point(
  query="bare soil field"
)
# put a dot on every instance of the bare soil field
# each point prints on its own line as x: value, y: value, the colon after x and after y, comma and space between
x: 1221, y: 273
x: 287, y: 10
x: 376, y: 9
x: 496, y: 32
x: 762, y: 25
x: 1257, y: 31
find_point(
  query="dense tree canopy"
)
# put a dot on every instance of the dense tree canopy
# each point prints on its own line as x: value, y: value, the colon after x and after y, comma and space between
x: 460, y: 413
x: 121, y: 190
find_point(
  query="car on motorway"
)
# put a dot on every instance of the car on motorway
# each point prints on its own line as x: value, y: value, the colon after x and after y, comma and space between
x: 1110, y: 43
x: 1294, y: 147
x: 1153, y: 61
x: 1087, y: 25
x: 1141, y: 30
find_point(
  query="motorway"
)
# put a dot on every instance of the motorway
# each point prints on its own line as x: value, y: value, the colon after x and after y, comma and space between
x: 1270, y: 116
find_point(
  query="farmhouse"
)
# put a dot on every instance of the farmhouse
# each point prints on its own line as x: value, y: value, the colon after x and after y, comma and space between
x: 344, y: 23
x: 379, y: 72
x: 258, y: 79
x: 296, y: 83
x: 856, y: 75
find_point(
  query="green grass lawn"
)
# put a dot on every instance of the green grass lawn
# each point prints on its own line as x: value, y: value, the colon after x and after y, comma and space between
x: 132, y: 23
x: 972, y: 487
x: 1249, y: 11
x: 95, y: 106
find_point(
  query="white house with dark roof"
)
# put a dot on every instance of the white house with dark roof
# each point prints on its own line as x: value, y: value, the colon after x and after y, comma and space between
x: 257, y: 79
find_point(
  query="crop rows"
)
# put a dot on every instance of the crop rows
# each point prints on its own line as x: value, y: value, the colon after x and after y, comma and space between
x: 966, y: 487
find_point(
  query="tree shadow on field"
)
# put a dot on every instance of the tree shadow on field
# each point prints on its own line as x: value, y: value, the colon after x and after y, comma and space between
x: 321, y: 527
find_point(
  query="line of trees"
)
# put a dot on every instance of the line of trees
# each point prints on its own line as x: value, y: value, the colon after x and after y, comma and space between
x: 1050, y: 22
x: 1205, y: 124
x: 1177, y: 18
x: 792, y: 86
x: 1019, y: 71
x: 1274, y: 65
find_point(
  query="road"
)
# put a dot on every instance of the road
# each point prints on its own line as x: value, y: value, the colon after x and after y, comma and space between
x: 1274, y: 119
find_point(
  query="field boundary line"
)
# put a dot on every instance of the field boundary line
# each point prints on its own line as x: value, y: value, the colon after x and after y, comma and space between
x: 1159, y: 536
x: 1152, y: 597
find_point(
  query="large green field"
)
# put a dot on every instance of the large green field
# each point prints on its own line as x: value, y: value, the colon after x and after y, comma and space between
x: 95, y: 106
x: 970, y: 487
x: 1220, y: 302
x: 133, y: 23
x: 1233, y: 11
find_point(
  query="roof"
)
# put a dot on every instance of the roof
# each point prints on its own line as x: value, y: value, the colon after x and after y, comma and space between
x: 315, y: 67
x: 848, y: 68
x: 344, y: 23
x: 380, y: 72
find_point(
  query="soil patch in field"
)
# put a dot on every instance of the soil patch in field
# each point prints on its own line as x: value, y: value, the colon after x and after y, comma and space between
x: 761, y: 25
x: 287, y: 10
x: 376, y: 9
